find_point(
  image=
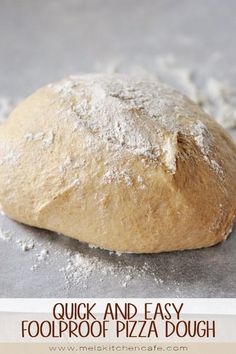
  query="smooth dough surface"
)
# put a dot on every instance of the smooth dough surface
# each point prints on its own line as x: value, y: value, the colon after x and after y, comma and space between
x: 123, y: 163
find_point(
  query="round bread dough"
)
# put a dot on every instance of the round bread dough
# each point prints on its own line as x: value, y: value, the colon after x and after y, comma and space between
x: 121, y: 162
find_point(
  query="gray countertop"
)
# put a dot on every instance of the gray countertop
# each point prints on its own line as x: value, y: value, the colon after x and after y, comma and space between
x: 46, y: 40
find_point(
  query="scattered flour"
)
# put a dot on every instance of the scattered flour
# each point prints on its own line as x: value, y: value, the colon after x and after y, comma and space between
x: 114, y: 175
x: 41, y: 257
x: 112, y: 112
x: 11, y: 157
x: 5, y: 235
x: 34, y: 136
x: 25, y: 245
x: 81, y: 268
x: 216, y: 97
x: 112, y: 108
x: 6, y: 106
x: 141, y: 182
x: 10, y: 236
x: 219, y: 100
x: 46, y: 138
x: 121, y: 97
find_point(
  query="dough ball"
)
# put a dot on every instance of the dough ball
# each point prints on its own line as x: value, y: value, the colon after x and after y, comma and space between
x: 124, y: 163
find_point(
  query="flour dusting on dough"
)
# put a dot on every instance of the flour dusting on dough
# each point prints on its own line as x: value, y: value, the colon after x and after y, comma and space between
x: 134, y: 114
x: 46, y: 138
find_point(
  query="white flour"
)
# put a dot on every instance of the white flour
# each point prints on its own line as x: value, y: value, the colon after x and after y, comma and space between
x: 219, y: 100
x: 10, y: 236
x: 101, y: 99
x: 79, y: 267
x: 7, y: 104
x: 216, y: 97
x: 117, y: 176
x: 5, y: 235
x: 135, y: 114
x: 25, y: 245
x: 46, y: 139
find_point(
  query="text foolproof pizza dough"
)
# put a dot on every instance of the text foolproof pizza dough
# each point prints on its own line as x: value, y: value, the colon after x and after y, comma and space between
x: 120, y: 162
